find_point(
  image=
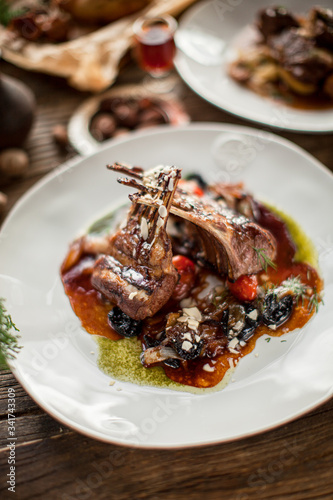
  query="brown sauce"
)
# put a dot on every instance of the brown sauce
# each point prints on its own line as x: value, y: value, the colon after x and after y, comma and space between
x: 92, y: 308
x: 280, y: 94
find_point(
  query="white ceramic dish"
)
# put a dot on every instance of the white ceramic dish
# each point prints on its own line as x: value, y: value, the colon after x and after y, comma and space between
x: 78, y: 126
x: 208, y: 36
x: 56, y: 365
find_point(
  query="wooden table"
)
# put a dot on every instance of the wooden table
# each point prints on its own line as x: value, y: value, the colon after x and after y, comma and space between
x: 294, y: 461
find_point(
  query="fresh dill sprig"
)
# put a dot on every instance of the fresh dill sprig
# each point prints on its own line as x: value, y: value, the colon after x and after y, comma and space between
x: 299, y: 290
x: 263, y: 259
x: 218, y: 296
x: 7, y: 14
x: 296, y: 287
x: 8, y: 337
x: 314, y: 301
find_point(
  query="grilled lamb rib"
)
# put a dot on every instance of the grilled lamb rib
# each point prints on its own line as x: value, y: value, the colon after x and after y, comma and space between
x: 220, y: 235
x: 137, y: 273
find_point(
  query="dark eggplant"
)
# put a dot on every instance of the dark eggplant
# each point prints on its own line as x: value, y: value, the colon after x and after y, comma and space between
x: 123, y: 324
x: 277, y: 311
x: 150, y: 341
x: 172, y: 362
x: 191, y: 353
x: 252, y: 321
x: 224, y: 321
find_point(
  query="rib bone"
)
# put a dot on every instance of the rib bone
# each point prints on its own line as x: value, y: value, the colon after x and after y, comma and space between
x: 138, y: 274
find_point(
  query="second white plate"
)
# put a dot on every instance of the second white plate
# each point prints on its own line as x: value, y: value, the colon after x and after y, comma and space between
x: 207, y: 38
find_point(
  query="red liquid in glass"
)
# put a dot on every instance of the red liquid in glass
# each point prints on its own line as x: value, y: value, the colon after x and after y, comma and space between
x: 156, y: 49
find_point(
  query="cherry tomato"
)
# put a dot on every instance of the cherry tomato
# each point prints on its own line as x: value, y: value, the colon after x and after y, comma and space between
x: 192, y: 187
x: 244, y: 288
x: 186, y: 271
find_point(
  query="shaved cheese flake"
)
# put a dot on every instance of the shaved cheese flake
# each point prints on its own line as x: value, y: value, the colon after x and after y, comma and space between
x: 187, y: 303
x: 208, y: 368
x: 182, y: 319
x: 159, y: 222
x: 162, y: 211
x: 144, y: 228
x: 186, y: 345
x: 232, y: 344
x: 192, y: 324
x: 253, y: 314
x: 193, y: 312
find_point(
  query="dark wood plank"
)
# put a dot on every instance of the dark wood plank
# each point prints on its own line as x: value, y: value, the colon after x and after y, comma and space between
x: 284, y: 463
x: 289, y: 462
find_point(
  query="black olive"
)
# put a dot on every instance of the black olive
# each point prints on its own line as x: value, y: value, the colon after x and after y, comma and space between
x: 250, y: 323
x: 197, y: 177
x: 276, y: 312
x: 192, y: 353
x: 123, y: 324
x: 172, y: 362
x: 150, y: 341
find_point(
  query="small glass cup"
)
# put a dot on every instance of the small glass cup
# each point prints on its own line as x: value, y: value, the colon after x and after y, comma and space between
x: 155, y: 49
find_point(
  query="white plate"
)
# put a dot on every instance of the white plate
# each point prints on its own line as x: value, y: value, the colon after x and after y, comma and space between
x: 209, y: 33
x: 56, y: 366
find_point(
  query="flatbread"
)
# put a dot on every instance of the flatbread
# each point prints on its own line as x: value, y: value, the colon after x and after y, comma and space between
x: 90, y: 62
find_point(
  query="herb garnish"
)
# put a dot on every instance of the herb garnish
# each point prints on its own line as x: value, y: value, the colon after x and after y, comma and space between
x: 263, y: 259
x: 314, y: 300
x: 219, y: 296
x: 7, y: 14
x: 299, y: 290
x: 8, y: 338
x: 296, y: 287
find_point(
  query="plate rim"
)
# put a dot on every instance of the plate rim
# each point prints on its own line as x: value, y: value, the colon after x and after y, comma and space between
x: 72, y: 163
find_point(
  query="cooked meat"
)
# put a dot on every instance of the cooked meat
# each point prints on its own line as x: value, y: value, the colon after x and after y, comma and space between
x: 225, y: 238
x: 234, y: 197
x: 321, y: 23
x: 138, y: 274
x: 49, y: 24
x: 274, y: 20
x: 298, y: 55
x: 294, y: 54
x: 87, y: 244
